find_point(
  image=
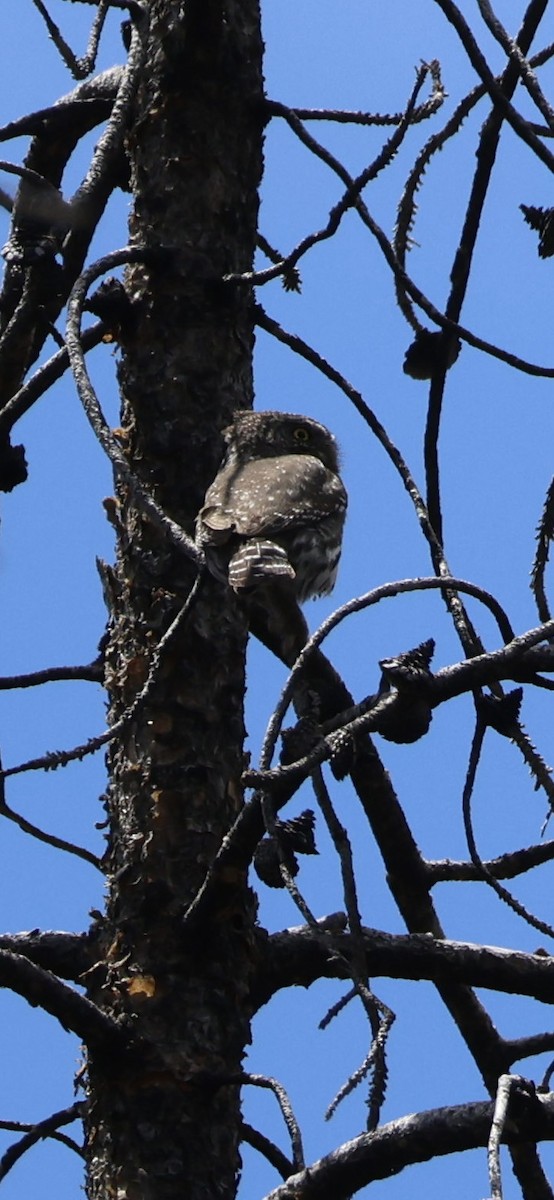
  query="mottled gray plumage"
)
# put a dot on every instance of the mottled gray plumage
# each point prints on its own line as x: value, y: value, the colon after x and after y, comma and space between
x: 275, y: 511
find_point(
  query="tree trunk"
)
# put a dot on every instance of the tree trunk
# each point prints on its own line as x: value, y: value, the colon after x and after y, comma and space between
x: 161, y: 1123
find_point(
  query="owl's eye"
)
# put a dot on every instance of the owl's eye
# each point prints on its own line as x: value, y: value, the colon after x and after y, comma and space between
x: 300, y: 434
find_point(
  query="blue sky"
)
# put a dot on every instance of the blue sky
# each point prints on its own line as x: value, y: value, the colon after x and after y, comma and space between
x: 496, y: 464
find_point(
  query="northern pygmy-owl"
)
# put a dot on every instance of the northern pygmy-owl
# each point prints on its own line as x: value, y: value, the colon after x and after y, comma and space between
x: 275, y: 511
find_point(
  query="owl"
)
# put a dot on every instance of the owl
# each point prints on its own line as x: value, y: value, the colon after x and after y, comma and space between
x: 274, y: 514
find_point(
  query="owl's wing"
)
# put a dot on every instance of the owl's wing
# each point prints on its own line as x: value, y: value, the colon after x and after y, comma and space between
x: 265, y: 495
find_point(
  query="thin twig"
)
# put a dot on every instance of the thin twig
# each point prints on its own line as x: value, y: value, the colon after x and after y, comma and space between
x: 368, y: 600
x: 502, y: 892
x: 307, y: 352
x: 347, y: 201
x: 465, y: 630
x: 91, y: 673
x: 49, y: 839
x: 79, y: 67
x: 512, y: 49
x: 91, y: 404
x: 60, y: 758
x: 435, y: 314
x: 35, y: 1133
x: 545, y: 532
x: 518, y: 123
x: 379, y: 1016
x: 449, y: 682
x: 463, y: 259
x: 44, y: 377
x: 343, y: 117
x: 270, y: 1151
x: 506, y: 866
x: 293, y: 1128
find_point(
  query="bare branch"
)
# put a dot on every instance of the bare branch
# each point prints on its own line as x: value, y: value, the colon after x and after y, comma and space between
x: 42, y: 380
x: 79, y: 67
x: 49, y: 839
x: 91, y: 673
x: 343, y: 117
x: 513, y: 51
x: 377, y: 704
x: 47, y: 1128
x: 259, y: 1142
x: 74, y: 1012
x: 417, y: 1138
x: 293, y: 1128
x: 502, y: 892
x: 379, y: 1016
x: 86, y: 105
x: 60, y: 758
x: 91, y: 404
x: 298, y: 958
x: 461, y: 267
x: 68, y: 955
x: 545, y: 532
x: 348, y: 200
x: 506, y: 866
x: 408, y: 284
x: 521, y: 127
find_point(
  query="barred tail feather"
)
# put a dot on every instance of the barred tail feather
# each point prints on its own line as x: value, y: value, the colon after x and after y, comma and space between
x: 258, y: 562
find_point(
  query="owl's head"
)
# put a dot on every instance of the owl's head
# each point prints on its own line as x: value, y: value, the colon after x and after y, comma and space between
x: 270, y: 434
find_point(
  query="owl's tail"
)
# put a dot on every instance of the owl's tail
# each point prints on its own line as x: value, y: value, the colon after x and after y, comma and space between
x: 258, y: 562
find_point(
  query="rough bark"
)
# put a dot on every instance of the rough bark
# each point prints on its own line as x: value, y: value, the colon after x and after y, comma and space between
x: 160, y: 1123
